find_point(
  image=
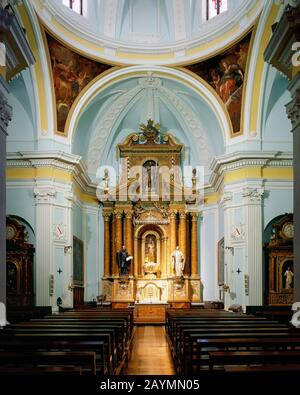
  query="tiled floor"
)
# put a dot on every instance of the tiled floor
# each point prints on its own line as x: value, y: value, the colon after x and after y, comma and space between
x: 150, y: 353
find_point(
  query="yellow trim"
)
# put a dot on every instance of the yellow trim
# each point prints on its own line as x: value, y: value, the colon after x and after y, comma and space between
x: 84, y: 197
x: 43, y: 113
x: 271, y: 173
x: 245, y: 84
x: 49, y: 173
x: 295, y: 70
x: 41, y: 172
x: 254, y: 111
x: 282, y: 173
x: 213, y: 198
x: 49, y: 66
x: 3, y: 71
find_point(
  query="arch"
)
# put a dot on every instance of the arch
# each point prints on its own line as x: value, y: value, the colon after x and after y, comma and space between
x: 191, y: 81
x: 150, y: 227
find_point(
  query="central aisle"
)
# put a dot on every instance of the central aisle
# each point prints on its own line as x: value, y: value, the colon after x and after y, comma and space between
x: 151, y: 353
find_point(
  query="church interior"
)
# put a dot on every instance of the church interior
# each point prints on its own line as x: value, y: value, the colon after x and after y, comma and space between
x: 149, y: 182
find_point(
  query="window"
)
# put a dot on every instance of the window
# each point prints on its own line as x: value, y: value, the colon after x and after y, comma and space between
x: 216, y: 7
x: 75, y: 5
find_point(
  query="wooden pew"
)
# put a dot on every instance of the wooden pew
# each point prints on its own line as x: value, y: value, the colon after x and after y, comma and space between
x: 85, y: 360
x: 252, y: 358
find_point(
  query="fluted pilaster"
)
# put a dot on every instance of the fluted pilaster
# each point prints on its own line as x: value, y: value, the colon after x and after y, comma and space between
x: 129, y: 237
x: 182, y: 232
x: 118, y: 237
x: 194, y: 244
x: 44, y: 213
x: 106, y: 218
x: 173, y: 231
x: 253, y: 205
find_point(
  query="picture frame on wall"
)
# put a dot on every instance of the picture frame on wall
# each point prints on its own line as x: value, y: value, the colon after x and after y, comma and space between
x: 78, y: 261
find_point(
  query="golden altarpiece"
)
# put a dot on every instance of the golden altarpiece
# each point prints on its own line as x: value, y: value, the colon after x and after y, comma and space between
x: 280, y: 273
x: 158, y: 215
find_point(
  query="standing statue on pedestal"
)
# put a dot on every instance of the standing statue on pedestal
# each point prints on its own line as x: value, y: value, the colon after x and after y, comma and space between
x: 123, y: 261
x: 178, y: 262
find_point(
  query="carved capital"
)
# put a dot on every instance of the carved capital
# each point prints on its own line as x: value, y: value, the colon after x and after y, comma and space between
x: 173, y: 214
x: 118, y: 214
x: 293, y: 109
x: 194, y: 217
x: 227, y: 198
x: 43, y: 195
x: 253, y: 194
x: 182, y: 214
x: 5, y: 112
x: 129, y: 214
x: 69, y: 196
x: 106, y: 216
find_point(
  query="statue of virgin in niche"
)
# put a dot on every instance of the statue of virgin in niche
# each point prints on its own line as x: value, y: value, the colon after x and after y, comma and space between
x: 150, y: 249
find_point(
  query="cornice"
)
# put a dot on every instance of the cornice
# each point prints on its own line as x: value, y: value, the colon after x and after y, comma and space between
x: 75, y: 166
x: 237, y: 21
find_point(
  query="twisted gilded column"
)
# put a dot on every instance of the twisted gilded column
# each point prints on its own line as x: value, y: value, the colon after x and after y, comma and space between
x: 106, y: 217
x: 173, y: 232
x: 194, y: 244
x: 128, y: 236
x: 182, y: 232
x: 118, y: 237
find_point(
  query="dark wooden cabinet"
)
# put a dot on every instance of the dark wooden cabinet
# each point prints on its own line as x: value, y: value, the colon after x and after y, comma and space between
x: 280, y: 263
x: 19, y: 265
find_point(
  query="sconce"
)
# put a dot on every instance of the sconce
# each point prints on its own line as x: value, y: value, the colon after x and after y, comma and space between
x: 231, y: 249
x: 67, y: 249
x: 226, y: 288
x: 71, y: 286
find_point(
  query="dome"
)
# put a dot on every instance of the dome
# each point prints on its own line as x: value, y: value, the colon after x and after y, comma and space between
x: 148, y: 31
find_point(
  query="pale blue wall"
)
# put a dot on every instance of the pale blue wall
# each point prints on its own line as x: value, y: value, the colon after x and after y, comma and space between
x: 275, y: 124
x: 94, y: 264
x: 77, y: 221
x: 208, y: 247
x: 21, y: 202
x: 276, y: 202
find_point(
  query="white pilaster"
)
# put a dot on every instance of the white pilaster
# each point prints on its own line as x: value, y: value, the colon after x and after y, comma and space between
x: 67, y: 296
x: 253, y: 230
x: 228, y: 255
x: 45, y: 196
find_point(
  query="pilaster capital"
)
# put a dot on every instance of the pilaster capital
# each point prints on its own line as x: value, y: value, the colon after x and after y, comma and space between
x: 194, y: 216
x: 129, y: 214
x: 69, y: 195
x: 118, y: 214
x: 293, y: 109
x: 254, y: 195
x: 44, y: 194
x: 106, y: 216
x: 173, y: 214
x: 5, y: 111
x: 182, y: 214
x: 227, y: 198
